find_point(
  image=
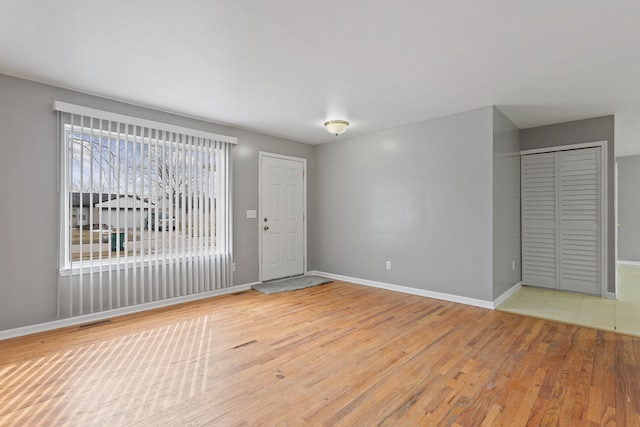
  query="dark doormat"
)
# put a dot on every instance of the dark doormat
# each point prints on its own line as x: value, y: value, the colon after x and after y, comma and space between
x: 290, y: 284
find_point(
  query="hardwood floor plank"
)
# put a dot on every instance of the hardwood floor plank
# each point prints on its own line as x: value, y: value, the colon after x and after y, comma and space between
x: 335, y: 354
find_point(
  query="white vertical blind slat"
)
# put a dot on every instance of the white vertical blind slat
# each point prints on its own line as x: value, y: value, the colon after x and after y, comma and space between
x: 146, y: 186
x: 110, y: 191
x: 198, y: 196
x: 118, y: 233
x: 190, y: 218
x: 90, y: 216
x: 70, y: 154
x: 225, y: 266
x: 140, y: 219
x: 194, y: 203
x: 201, y: 233
x: 82, y: 213
x: 153, y: 295
x: 185, y: 225
x: 228, y: 219
x: 142, y: 257
x: 207, y: 220
x: 160, y: 281
x: 100, y: 222
x: 168, y: 201
x: 196, y: 212
x: 219, y: 247
x: 135, y: 130
x: 215, y: 276
x: 127, y: 193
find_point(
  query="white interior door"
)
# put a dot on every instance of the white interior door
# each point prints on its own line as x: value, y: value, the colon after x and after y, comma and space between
x: 281, y: 219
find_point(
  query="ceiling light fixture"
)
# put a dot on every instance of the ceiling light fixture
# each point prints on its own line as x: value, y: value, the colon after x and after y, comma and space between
x: 336, y: 127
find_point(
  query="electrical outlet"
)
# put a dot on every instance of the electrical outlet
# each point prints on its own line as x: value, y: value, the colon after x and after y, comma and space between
x: 388, y: 265
x: 233, y: 266
x: 513, y: 265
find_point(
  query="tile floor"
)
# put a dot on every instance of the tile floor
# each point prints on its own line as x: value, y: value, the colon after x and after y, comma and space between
x: 622, y: 315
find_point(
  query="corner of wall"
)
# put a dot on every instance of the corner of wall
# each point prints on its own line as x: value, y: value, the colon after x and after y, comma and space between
x: 506, y: 204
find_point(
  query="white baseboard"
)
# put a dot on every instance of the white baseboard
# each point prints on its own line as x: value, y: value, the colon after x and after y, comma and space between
x: 407, y: 290
x: 628, y: 262
x: 612, y: 295
x: 79, y: 320
x: 502, y: 298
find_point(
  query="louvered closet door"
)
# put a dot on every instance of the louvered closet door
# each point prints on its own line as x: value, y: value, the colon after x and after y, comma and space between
x: 579, y: 229
x: 539, y: 237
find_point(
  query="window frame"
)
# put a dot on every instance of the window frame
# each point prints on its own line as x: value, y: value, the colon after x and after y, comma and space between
x: 68, y: 267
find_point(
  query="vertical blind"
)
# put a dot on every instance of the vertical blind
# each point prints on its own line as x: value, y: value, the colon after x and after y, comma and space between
x: 145, y: 211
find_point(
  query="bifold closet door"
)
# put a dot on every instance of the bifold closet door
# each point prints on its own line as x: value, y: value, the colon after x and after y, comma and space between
x: 579, y: 220
x: 539, y: 220
x: 561, y: 220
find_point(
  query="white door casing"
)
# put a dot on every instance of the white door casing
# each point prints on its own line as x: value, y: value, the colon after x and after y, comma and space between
x: 281, y: 221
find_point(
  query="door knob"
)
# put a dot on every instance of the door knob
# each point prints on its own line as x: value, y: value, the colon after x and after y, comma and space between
x: 266, y: 227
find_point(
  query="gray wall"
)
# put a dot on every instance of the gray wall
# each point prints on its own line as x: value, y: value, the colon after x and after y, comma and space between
x: 419, y: 196
x: 29, y: 212
x: 629, y: 208
x: 590, y: 130
x: 439, y: 199
x: 506, y: 204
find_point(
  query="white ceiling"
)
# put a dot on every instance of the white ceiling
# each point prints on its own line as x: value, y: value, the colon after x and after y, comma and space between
x: 283, y: 67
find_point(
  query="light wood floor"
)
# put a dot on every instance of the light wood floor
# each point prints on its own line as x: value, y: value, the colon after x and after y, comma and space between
x: 335, y: 354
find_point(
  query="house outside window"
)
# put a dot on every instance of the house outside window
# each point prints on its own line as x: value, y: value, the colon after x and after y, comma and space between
x: 122, y: 183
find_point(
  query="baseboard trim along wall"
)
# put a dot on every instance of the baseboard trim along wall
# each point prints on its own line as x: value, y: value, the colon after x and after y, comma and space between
x: 408, y: 290
x: 502, y: 298
x: 79, y: 320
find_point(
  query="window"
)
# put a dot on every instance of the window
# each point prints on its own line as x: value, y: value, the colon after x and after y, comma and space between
x: 151, y: 199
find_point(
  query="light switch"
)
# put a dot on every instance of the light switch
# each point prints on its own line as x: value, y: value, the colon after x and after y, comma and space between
x: 251, y: 214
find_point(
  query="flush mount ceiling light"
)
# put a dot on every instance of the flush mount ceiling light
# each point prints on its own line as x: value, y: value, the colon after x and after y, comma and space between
x: 336, y: 127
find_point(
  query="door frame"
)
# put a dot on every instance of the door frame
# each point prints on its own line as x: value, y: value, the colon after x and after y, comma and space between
x: 604, y: 206
x: 262, y: 155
